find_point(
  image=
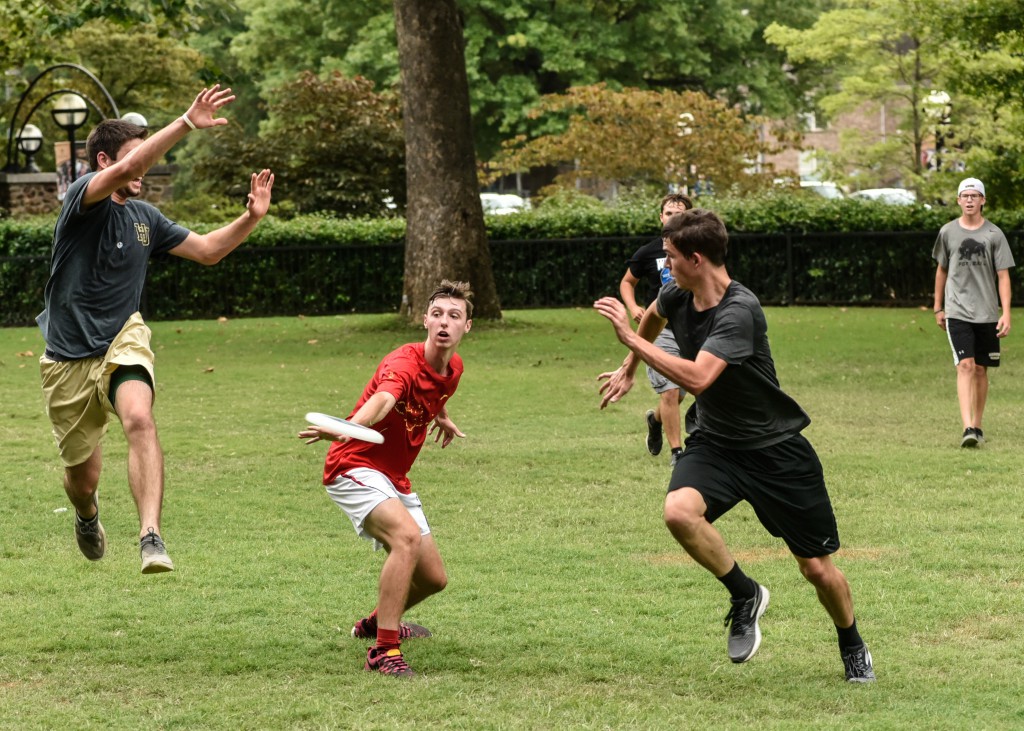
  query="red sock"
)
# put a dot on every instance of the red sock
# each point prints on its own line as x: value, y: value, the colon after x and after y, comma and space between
x: 387, y: 638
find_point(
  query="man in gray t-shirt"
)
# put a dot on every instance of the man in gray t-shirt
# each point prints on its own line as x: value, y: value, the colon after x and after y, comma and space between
x: 972, y: 301
x: 744, y: 439
x: 98, y: 358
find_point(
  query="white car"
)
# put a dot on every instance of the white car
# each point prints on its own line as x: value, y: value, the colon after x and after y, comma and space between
x: 889, y: 196
x: 824, y: 188
x: 503, y: 203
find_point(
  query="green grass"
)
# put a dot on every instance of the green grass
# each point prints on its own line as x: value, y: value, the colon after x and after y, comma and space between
x: 569, y: 605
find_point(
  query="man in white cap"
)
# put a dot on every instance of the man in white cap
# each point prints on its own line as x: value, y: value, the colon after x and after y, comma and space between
x: 972, y: 301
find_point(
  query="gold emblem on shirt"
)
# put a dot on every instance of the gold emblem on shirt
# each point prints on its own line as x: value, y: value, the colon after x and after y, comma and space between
x: 142, y: 233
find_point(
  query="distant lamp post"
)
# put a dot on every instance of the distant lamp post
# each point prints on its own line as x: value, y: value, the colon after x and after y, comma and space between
x: 939, y: 108
x: 135, y: 118
x: 70, y: 112
x: 30, y: 140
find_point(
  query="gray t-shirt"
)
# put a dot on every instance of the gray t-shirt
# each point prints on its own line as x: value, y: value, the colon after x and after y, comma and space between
x: 744, y: 408
x: 972, y: 259
x: 98, y: 268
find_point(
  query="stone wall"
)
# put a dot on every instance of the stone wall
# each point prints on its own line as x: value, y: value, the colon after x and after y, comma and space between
x: 29, y: 194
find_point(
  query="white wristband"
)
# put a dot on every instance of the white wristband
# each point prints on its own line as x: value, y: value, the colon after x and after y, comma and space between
x: 186, y: 120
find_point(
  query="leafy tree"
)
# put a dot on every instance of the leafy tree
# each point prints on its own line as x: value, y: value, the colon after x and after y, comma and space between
x: 334, y: 144
x: 445, y: 235
x: 517, y: 51
x: 897, y: 53
x: 639, y: 137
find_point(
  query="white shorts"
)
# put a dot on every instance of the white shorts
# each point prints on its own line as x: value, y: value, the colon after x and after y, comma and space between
x: 358, y: 491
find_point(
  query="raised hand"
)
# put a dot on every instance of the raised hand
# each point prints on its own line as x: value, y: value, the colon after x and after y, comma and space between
x: 260, y: 187
x: 202, y: 113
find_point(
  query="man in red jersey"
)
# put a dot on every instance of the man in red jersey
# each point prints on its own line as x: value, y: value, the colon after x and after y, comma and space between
x: 369, y: 481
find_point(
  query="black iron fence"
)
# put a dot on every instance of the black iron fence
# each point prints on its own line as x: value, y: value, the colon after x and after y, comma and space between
x: 870, y: 268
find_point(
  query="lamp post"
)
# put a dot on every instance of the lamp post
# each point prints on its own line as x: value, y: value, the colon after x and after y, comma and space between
x: 70, y: 113
x: 939, y: 107
x: 30, y: 140
x: 135, y: 118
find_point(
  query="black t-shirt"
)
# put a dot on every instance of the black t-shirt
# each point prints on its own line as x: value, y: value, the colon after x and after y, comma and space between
x: 744, y: 408
x: 648, y: 265
x: 98, y: 268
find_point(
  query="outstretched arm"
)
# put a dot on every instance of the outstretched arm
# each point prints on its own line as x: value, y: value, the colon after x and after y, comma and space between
x: 446, y: 429
x: 115, y: 174
x: 373, y: 410
x: 694, y: 376
x: 619, y: 382
x: 212, y: 247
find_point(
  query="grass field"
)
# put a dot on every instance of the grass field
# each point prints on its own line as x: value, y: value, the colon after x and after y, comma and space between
x: 569, y: 605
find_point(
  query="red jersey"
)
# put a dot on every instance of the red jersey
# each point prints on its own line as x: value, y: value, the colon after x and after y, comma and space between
x: 419, y: 395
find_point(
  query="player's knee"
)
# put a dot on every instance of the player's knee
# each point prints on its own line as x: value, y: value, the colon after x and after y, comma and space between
x: 138, y: 424
x: 681, y: 517
x: 406, y: 540
x: 818, y: 572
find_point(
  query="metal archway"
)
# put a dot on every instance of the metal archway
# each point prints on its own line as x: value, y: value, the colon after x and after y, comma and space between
x: 14, y: 126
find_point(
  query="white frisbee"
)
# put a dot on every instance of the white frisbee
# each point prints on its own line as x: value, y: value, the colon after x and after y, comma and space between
x: 344, y: 428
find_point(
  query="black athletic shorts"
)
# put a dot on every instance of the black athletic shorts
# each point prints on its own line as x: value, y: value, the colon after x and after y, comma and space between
x: 784, y: 484
x: 976, y: 340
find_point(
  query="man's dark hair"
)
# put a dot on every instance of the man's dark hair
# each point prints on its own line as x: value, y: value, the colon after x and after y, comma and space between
x: 698, y: 231
x: 455, y: 291
x: 109, y: 136
x: 679, y: 198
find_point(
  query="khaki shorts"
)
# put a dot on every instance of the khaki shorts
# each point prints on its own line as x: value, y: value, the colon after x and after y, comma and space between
x: 76, y: 392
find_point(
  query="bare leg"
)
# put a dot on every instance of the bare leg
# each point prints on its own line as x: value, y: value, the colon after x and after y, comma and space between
x: 391, y: 524
x: 684, y: 516
x: 668, y: 413
x: 81, y: 481
x: 980, y: 393
x: 965, y: 390
x: 134, y: 405
x: 429, y: 578
x: 832, y: 588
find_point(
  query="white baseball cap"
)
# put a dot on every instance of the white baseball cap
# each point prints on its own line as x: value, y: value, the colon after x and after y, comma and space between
x: 971, y: 184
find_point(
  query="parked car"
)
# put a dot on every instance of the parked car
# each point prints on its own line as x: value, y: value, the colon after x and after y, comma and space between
x: 889, y: 196
x: 503, y: 203
x: 823, y: 188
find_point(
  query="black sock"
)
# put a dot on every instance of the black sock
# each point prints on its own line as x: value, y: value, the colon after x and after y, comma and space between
x: 93, y: 519
x: 740, y: 585
x: 849, y: 637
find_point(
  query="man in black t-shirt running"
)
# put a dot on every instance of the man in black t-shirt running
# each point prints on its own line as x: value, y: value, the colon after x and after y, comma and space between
x: 744, y: 435
x: 648, y: 265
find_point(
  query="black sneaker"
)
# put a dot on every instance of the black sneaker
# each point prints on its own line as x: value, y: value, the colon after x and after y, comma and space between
x: 154, y: 555
x: 366, y: 629
x: 654, y: 439
x: 978, y: 433
x: 744, y: 632
x: 857, y: 662
x: 92, y: 539
x: 970, y: 438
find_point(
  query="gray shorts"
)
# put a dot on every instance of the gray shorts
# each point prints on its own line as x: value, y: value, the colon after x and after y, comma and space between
x: 665, y: 341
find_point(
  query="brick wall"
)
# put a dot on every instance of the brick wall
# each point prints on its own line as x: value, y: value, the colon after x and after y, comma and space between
x: 28, y: 194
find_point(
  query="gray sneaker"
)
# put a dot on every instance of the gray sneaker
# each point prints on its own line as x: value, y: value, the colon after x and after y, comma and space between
x: 92, y: 539
x: 858, y: 665
x: 154, y: 556
x: 744, y: 632
x: 970, y: 438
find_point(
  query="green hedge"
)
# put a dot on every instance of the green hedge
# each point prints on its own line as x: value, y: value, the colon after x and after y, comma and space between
x: 794, y: 248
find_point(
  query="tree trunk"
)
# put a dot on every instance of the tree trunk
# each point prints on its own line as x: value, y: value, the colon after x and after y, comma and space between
x: 445, y: 237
